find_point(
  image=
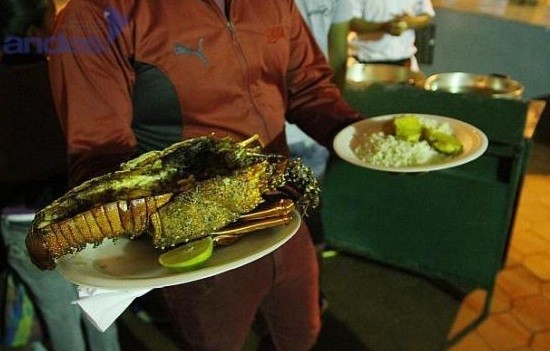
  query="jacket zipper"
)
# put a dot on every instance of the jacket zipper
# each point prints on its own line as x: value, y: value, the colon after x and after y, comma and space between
x: 246, y: 69
x: 242, y: 58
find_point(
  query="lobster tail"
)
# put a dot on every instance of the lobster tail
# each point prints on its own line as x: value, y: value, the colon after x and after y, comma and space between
x: 38, y: 251
x: 109, y: 221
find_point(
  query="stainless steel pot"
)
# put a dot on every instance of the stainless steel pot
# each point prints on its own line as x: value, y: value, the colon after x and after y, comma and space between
x: 493, y: 85
x: 361, y: 75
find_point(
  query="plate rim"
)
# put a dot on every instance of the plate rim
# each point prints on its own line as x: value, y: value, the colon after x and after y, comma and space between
x: 342, y: 138
x: 128, y: 283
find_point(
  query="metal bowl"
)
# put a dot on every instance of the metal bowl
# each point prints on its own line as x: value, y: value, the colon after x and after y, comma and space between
x: 493, y: 85
x: 361, y: 75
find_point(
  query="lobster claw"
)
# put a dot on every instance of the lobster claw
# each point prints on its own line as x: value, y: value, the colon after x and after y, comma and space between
x: 273, y: 214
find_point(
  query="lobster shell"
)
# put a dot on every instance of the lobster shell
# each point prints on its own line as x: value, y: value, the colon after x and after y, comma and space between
x: 123, y: 218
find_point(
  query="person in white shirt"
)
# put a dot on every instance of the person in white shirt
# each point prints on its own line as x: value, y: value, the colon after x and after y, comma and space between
x: 393, y: 24
x: 319, y: 15
x: 385, y: 31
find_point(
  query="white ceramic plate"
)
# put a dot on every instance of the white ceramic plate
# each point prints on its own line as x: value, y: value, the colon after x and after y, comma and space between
x: 475, y: 143
x: 124, y: 264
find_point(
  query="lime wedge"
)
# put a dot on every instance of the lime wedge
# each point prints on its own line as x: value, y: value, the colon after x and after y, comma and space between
x: 188, y: 256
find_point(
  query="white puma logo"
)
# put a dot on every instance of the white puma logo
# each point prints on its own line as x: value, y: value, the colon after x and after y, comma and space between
x: 180, y: 49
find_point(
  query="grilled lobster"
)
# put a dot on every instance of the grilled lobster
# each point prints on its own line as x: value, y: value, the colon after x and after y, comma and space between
x: 194, y: 188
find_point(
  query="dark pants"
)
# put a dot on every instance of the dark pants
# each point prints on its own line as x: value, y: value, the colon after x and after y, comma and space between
x: 217, y: 313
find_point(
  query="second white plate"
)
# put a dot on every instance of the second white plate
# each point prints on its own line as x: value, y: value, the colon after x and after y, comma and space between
x: 474, y: 141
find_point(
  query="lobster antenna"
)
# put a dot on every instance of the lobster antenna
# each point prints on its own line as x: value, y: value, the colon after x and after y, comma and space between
x: 252, y: 139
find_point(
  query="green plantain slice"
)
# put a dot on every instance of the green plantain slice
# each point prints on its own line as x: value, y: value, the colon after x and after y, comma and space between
x: 442, y: 142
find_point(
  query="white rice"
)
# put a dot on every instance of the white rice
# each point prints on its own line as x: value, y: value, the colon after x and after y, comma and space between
x: 443, y: 127
x: 387, y: 151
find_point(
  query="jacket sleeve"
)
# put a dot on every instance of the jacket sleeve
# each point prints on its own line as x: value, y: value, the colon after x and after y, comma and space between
x: 314, y: 103
x: 92, y: 78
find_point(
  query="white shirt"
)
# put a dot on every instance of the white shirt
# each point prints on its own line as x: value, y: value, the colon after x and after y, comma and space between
x: 387, y: 47
x: 319, y: 15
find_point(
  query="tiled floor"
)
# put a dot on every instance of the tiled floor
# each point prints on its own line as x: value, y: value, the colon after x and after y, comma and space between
x: 520, y: 314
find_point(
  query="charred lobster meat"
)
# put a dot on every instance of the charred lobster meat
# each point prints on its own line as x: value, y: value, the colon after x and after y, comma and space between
x: 194, y: 188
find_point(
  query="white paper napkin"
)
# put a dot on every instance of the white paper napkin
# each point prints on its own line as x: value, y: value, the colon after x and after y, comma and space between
x: 102, y: 306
